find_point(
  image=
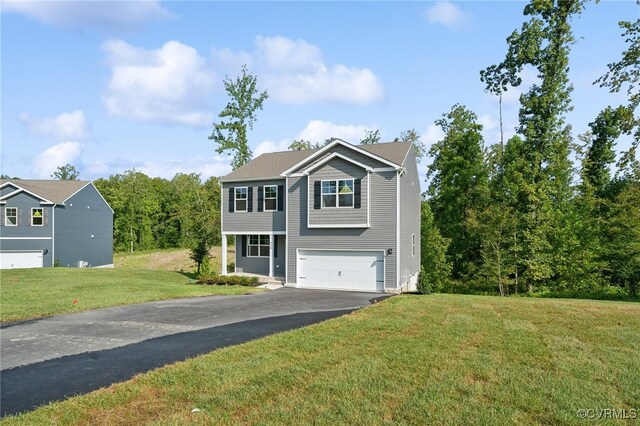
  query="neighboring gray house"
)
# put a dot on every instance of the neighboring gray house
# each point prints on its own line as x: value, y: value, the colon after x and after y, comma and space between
x: 43, y: 222
x: 341, y: 217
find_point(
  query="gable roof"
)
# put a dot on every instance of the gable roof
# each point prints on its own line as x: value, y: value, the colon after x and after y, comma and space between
x: 55, y: 191
x: 271, y: 165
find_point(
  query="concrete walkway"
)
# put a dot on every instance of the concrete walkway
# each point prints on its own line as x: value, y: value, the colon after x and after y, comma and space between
x: 52, y: 358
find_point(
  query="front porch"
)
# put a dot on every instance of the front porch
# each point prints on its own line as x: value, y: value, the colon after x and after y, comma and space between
x: 261, y: 255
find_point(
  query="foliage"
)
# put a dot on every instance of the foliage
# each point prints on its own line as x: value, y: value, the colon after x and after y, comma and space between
x: 370, y: 137
x: 300, y: 145
x: 66, y: 172
x: 424, y: 285
x: 435, y: 269
x: 414, y: 137
x: 227, y: 280
x: 158, y: 213
x: 459, y: 184
x: 200, y: 252
x: 239, y: 114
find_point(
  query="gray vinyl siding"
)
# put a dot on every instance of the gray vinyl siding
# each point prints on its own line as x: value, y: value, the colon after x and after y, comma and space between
x: 260, y: 265
x: 254, y: 221
x: 39, y: 237
x: 338, y: 168
x: 84, y: 230
x: 380, y: 236
x: 347, y: 152
x: 7, y: 190
x: 410, y: 196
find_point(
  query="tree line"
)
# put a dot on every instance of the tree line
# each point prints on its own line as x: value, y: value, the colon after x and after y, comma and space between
x: 519, y: 216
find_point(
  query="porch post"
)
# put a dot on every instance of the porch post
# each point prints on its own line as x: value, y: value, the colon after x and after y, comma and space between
x: 271, y: 255
x: 224, y: 255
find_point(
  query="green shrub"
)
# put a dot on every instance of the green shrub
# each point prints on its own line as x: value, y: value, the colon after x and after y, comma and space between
x: 227, y: 280
x: 424, y: 283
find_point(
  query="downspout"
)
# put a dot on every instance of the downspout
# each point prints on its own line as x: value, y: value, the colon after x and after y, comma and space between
x: 53, y: 235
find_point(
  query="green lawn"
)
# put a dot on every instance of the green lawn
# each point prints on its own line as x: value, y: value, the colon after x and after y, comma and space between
x: 33, y: 293
x: 442, y: 359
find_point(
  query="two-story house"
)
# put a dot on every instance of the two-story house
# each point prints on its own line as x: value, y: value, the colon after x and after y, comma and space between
x: 54, y: 222
x: 341, y: 217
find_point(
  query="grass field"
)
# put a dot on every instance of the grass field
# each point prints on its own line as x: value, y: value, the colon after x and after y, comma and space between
x: 442, y: 359
x: 34, y: 293
x: 168, y: 260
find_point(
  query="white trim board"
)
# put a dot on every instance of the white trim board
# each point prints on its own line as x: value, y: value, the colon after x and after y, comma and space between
x: 326, y: 148
x: 25, y: 238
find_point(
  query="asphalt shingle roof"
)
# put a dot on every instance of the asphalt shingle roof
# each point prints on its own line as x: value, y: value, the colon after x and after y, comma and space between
x: 53, y: 190
x: 272, y: 164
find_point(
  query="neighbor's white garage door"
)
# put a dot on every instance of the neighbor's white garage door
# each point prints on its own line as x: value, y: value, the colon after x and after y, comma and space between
x: 20, y: 259
x: 344, y: 270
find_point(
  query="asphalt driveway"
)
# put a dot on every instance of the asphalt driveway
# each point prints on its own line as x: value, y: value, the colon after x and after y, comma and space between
x: 53, y: 358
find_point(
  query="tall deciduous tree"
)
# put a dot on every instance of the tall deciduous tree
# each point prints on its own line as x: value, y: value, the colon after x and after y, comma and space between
x: 544, y: 43
x: 458, y: 184
x: 66, y: 172
x: 238, y: 116
x: 370, y: 137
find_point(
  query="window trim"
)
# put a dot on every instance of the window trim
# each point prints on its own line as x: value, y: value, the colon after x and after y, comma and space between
x: 6, y: 216
x: 413, y: 245
x: 337, y: 194
x: 264, y: 198
x: 236, y: 198
x: 259, y: 245
x: 42, y: 217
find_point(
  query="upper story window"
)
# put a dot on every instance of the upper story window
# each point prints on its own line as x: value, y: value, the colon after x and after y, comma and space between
x: 11, y: 216
x: 270, y: 198
x: 337, y: 193
x: 37, y: 216
x: 241, y: 199
x: 413, y: 244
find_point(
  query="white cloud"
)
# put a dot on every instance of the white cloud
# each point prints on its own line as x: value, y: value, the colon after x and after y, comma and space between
x: 89, y: 13
x: 446, y: 14
x: 50, y: 159
x: 319, y: 131
x: 488, y: 122
x: 206, y: 167
x: 433, y: 134
x: 71, y: 125
x: 294, y: 72
x: 166, y: 85
x: 270, y: 146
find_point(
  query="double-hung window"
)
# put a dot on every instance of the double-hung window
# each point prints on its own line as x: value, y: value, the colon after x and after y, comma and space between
x: 270, y: 198
x: 11, y: 216
x: 337, y: 193
x: 241, y: 199
x: 37, y: 216
x: 258, y: 246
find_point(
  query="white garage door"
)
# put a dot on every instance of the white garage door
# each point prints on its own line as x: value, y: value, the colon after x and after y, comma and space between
x: 20, y: 259
x: 343, y: 270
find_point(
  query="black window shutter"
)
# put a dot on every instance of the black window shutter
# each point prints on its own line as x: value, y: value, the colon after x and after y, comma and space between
x: 280, y: 198
x: 356, y: 193
x: 250, y: 199
x: 260, y: 198
x: 231, y: 200
x: 275, y: 245
x: 316, y: 194
x: 244, y: 246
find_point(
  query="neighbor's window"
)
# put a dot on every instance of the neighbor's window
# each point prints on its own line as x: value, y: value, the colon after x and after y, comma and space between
x: 37, y: 217
x: 413, y: 244
x: 258, y: 246
x: 11, y: 216
x: 270, y: 198
x: 337, y: 193
x: 241, y: 199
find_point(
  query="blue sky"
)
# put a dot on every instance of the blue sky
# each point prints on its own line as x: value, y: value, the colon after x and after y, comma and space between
x: 109, y: 86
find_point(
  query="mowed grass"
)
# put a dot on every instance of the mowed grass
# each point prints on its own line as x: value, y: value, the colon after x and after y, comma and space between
x: 169, y: 260
x: 442, y: 359
x: 34, y: 293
